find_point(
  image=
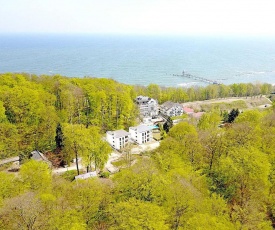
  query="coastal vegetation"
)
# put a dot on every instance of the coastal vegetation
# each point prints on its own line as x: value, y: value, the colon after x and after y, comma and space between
x: 203, y: 176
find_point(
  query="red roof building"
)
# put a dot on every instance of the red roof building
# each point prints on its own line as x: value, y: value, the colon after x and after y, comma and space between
x: 188, y: 110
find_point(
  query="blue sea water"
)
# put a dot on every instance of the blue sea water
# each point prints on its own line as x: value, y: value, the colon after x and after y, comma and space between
x: 141, y: 59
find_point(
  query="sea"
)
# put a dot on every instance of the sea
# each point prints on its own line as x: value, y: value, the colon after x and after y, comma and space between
x: 142, y: 60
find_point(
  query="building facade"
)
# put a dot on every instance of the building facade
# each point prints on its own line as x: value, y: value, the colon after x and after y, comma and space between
x: 148, y: 107
x: 141, y: 134
x: 118, y: 139
x: 171, y: 109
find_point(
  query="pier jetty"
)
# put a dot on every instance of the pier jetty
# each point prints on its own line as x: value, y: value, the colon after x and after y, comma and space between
x: 187, y: 75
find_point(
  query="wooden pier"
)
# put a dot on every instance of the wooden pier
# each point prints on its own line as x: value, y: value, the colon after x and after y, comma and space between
x: 209, y: 81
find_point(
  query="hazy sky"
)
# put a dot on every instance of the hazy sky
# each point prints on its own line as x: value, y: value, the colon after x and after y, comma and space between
x: 211, y: 17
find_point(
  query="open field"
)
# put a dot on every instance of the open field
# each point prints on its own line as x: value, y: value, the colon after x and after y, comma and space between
x: 229, y: 103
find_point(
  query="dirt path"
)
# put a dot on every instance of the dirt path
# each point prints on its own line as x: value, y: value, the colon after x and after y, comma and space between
x: 113, y: 157
x: 62, y: 170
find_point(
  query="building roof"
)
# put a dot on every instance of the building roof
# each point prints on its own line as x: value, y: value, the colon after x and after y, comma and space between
x: 86, y: 175
x: 38, y: 156
x: 170, y: 104
x: 118, y: 133
x: 144, y: 100
x: 141, y: 128
x: 188, y: 110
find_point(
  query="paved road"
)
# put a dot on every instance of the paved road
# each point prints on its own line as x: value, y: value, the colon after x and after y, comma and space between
x: 113, y: 157
x: 136, y: 150
x: 9, y: 160
x: 62, y: 170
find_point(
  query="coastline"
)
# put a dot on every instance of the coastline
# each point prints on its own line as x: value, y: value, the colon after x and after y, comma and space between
x: 141, y: 59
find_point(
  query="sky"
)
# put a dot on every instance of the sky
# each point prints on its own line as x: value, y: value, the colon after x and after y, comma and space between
x: 165, y: 17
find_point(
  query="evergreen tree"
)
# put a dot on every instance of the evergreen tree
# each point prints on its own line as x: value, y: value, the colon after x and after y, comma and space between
x: 168, y: 125
x: 59, y: 138
x: 232, y: 115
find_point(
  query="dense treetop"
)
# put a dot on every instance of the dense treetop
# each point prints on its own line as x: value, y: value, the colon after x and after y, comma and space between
x: 201, y: 177
x: 31, y: 107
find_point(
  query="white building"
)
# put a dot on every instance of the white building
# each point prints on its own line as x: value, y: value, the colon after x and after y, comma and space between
x: 118, y: 139
x: 171, y: 109
x: 141, y: 134
x: 148, y: 107
x: 86, y: 175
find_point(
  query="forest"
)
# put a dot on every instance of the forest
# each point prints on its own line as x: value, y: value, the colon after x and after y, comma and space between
x: 202, y: 176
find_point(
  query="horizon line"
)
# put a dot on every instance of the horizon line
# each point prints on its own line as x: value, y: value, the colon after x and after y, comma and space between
x: 214, y: 35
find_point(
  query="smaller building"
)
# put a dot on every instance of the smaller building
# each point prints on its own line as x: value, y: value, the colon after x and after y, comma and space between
x: 171, y: 109
x: 86, y: 175
x: 141, y: 134
x: 118, y: 139
x: 38, y: 156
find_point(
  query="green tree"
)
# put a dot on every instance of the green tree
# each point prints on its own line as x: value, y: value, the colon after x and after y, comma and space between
x: 142, y: 182
x: 187, y: 146
x: 7, y: 186
x: 23, y: 212
x: 2, y: 112
x: 246, y: 174
x: 208, y: 222
x: 209, y: 120
x: 253, y: 117
x: 90, y: 198
x: 242, y: 134
x: 67, y: 220
x: 86, y: 143
x: 214, y: 145
x: 154, y: 91
x: 9, y: 140
x: 136, y: 214
x: 36, y: 176
x: 98, y: 151
x: 77, y: 142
